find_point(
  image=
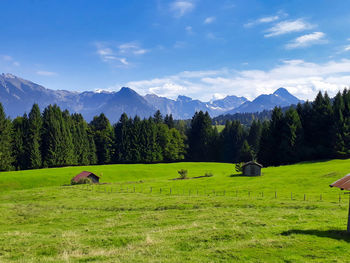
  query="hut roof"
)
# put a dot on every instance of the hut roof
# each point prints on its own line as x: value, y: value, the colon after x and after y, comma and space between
x: 83, y: 174
x: 343, y: 183
x: 252, y: 162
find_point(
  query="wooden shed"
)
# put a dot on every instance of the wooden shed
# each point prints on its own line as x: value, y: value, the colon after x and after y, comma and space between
x: 252, y: 169
x: 94, y: 178
x: 344, y: 184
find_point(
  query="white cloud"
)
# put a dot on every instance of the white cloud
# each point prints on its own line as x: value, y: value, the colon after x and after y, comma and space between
x: 189, y: 30
x: 267, y: 19
x: 119, y: 55
x: 303, y: 79
x: 209, y: 20
x: 307, y: 40
x: 46, y: 73
x: 286, y: 27
x: 9, y: 61
x: 180, y: 8
x: 262, y: 20
x: 133, y: 48
x: 347, y: 48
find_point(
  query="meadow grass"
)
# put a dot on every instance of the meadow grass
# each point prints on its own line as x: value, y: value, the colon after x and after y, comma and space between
x: 231, y: 219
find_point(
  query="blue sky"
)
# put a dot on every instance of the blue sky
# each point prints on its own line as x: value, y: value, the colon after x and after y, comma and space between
x: 199, y: 48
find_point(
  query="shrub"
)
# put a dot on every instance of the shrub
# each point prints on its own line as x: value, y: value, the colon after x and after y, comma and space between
x: 182, y: 173
x: 208, y: 174
x: 239, y: 167
x: 84, y: 180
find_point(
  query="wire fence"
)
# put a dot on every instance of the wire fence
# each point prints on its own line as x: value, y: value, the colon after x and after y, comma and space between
x: 339, y: 197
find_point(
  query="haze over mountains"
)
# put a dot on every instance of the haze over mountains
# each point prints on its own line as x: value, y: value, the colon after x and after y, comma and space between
x: 18, y: 95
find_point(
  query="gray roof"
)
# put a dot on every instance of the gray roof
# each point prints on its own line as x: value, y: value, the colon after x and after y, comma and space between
x: 252, y: 163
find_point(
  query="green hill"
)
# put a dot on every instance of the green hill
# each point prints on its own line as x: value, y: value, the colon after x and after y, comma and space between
x: 139, y: 214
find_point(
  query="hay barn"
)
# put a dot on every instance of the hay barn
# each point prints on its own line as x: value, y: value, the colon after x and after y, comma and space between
x: 94, y: 178
x: 252, y: 169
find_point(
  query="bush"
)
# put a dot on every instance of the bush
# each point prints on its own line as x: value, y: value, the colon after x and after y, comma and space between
x: 84, y: 180
x: 239, y: 167
x: 208, y: 174
x: 182, y: 173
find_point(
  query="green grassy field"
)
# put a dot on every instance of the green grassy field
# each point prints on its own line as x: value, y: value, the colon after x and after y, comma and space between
x: 141, y: 215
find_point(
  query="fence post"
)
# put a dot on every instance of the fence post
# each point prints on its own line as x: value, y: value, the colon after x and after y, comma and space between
x: 224, y: 192
x: 339, y: 198
x: 170, y: 190
x: 160, y: 190
x: 291, y: 196
x: 304, y: 197
x: 151, y: 190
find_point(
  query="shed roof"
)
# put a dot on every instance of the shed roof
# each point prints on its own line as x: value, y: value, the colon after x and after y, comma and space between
x: 252, y: 163
x: 343, y: 183
x: 83, y: 174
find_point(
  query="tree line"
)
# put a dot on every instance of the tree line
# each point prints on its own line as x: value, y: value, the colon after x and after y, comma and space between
x: 309, y: 131
x: 57, y: 138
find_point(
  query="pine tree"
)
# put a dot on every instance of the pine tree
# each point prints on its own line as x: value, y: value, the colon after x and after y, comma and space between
x: 80, y: 138
x: 200, y: 137
x: 6, y: 157
x: 135, y: 140
x: 122, y: 140
x: 290, y: 145
x: 174, y: 150
x: 254, y: 136
x: 276, y: 126
x: 265, y: 153
x: 340, y: 126
x: 305, y: 113
x: 323, y: 135
x: 19, y: 142
x: 245, y: 154
x: 103, y: 137
x: 68, y: 128
x: 158, y: 118
x: 232, y: 138
x: 34, y: 138
x: 57, y: 146
x: 168, y: 120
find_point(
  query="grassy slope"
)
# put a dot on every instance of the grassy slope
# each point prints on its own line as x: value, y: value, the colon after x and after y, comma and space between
x: 44, y: 222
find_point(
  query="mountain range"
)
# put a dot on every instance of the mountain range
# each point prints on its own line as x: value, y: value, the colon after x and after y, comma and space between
x: 18, y: 95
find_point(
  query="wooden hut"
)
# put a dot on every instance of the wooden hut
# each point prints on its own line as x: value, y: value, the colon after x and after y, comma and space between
x: 251, y: 169
x: 344, y: 184
x: 93, y: 177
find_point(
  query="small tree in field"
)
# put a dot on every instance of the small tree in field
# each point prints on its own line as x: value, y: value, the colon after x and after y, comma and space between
x: 182, y: 173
